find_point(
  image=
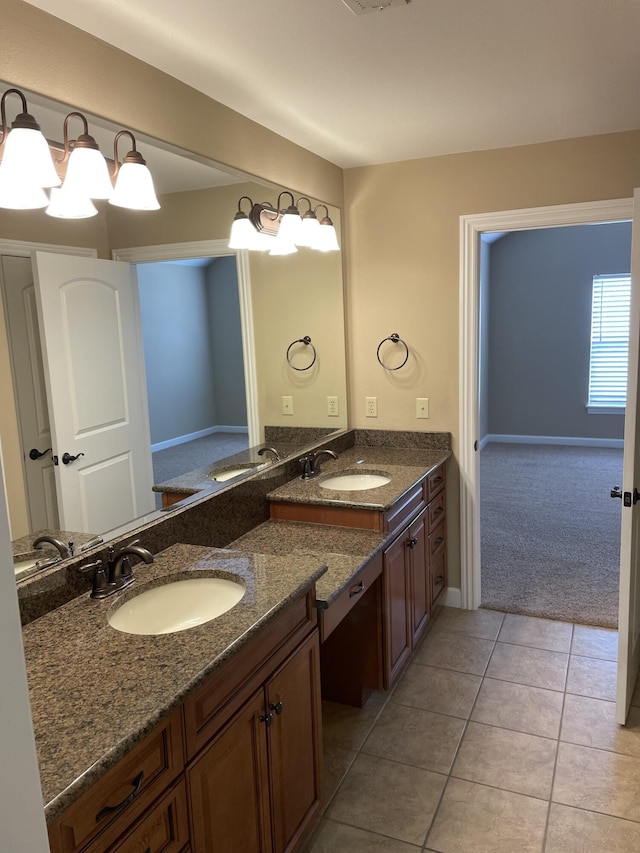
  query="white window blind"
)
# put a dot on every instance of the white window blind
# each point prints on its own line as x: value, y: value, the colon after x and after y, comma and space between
x: 611, y: 304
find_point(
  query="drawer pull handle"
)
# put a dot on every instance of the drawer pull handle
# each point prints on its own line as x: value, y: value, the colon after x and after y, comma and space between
x: 356, y: 590
x: 278, y: 707
x: 438, y: 511
x: 137, y: 784
x: 439, y: 580
x: 267, y: 719
x: 412, y: 542
x: 438, y: 542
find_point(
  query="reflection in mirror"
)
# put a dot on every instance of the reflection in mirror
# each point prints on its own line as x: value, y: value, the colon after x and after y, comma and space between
x: 230, y: 344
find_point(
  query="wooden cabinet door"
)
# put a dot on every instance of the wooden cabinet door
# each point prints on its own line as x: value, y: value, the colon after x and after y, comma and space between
x: 419, y: 576
x: 295, y: 744
x: 229, y: 787
x: 397, y: 619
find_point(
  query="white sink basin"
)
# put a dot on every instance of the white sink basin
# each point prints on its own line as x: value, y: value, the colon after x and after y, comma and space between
x: 177, y: 606
x: 23, y: 567
x: 354, y: 482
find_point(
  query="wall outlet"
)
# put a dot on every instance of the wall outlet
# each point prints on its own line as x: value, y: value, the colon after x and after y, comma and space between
x: 422, y: 407
x: 371, y: 407
x: 332, y: 407
x: 287, y: 405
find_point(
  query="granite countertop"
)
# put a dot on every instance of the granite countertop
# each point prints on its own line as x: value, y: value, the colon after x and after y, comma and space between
x: 344, y: 550
x: 95, y: 692
x: 405, y: 467
x: 198, y: 480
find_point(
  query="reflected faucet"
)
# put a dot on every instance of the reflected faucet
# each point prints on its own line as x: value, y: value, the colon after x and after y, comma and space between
x: 272, y: 451
x: 311, y: 463
x: 63, y: 550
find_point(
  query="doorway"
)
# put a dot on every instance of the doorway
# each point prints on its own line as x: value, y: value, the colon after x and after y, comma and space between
x: 550, y: 534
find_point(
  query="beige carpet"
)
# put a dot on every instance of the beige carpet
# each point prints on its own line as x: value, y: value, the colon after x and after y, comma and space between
x: 550, y: 531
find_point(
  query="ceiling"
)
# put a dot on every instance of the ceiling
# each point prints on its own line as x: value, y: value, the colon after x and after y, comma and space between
x: 415, y: 79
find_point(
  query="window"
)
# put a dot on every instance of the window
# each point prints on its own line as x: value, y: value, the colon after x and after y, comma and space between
x: 610, y: 308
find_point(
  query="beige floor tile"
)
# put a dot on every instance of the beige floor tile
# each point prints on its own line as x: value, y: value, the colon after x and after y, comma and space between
x: 439, y: 690
x: 524, y: 665
x: 416, y: 737
x: 576, y: 831
x: 455, y: 651
x: 511, y: 760
x: 591, y: 677
x: 347, y: 727
x: 388, y: 798
x: 332, y: 837
x: 519, y: 707
x: 484, y: 624
x: 476, y: 819
x: 597, y: 780
x: 595, y: 642
x: 592, y: 722
x: 336, y: 762
x: 539, y: 633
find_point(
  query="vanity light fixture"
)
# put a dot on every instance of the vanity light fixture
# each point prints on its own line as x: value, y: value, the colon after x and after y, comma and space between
x: 32, y: 164
x: 281, y: 230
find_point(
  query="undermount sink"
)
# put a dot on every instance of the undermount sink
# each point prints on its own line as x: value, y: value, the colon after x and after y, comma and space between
x: 177, y: 606
x: 354, y: 482
x: 24, y: 567
x: 225, y: 474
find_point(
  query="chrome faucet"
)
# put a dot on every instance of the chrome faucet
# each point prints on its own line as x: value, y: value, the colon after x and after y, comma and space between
x: 311, y: 463
x: 63, y: 550
x: 119, y: 571
x: 272, y: 451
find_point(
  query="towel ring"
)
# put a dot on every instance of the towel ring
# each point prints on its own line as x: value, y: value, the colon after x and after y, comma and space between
x: 395, y: 338
x: 307, y: 342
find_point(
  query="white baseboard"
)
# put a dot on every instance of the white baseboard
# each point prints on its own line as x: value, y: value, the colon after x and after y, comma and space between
x: 452, y: 597
x: 183, y: 439
x: 484, y: 441
x: 575, y: 441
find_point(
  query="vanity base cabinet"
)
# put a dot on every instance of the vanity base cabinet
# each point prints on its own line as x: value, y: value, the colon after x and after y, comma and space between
x: 396, y: 612
x: 257, y: 785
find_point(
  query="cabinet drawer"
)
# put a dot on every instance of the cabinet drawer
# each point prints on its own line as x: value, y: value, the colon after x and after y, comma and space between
x: 404, y: 509
x: 436, y: 510
x: 350, y: 596
x: 111, y: 805
x: 435, y: 482
x: 438, y: 574
x: 437, y: 538
x: 222, y: 694
x: 163, y: 829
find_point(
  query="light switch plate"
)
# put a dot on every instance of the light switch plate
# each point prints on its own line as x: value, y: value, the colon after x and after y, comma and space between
x: 287, y: 405
x: 422, y: 407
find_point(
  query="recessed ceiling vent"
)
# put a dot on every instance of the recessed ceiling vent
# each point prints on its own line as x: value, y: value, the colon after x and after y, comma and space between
x: 363, y: 7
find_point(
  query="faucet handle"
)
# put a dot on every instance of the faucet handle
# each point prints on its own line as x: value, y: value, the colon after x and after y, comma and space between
x: 100, y: 584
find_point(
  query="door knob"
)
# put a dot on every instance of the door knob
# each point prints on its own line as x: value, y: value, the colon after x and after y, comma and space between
x: 34, y: 453
x: 616, y: 492
x: 67, y: 457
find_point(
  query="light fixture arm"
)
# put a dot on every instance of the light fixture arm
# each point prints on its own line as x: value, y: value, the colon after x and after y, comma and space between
x: 83, y: 141
x: 133, y: 156
x: 23, y: 119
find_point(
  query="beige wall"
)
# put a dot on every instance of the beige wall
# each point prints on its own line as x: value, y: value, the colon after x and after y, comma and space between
x: 402, y: 227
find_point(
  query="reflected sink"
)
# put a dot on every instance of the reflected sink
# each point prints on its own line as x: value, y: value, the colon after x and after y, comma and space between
x: 354, y: 482
x: 224, y: 474
x: 177, y: 606
x: 24, y: 567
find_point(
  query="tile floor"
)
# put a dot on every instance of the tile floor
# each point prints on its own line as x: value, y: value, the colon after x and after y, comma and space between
x: 499, y: 738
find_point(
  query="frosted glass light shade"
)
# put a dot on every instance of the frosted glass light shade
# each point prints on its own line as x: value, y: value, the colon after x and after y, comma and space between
x: 308, y: 231
x: 27, y: 157
x: 243, y: 234
x: 280, y: 247
x: 21, y: 195
x: 65, y: 205
x: 289, y: 229
x: 88, y: 174
x: 326, y: 240
x: 134, y: 188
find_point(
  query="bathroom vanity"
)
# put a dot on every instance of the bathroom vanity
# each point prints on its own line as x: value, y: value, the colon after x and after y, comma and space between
x: 210, y: 738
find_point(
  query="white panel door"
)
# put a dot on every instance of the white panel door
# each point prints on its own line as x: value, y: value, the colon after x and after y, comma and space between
x: 629, y: 614
x: 31, y: 396
x: 94, y: 373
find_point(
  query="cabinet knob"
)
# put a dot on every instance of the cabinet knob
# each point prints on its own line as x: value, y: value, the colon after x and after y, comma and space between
x: 412, y: 542
x: 278, y: 707
x: 267, y: 719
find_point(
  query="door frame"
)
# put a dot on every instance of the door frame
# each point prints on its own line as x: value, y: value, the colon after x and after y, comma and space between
x: 215, y: 249
x: 471, y: 227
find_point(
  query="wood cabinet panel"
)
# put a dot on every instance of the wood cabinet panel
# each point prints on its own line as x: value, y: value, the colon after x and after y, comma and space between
x: 123, y: 793
x: 436, y: 510
x: 438, y: 573
x: 437, y: 538
x: 229, y: 786
x: 404, y: 509
x: 435, y: 482
x: 419, y: 591
x: 396, y: 610
x: 295, y: 743
x: 350, y: 596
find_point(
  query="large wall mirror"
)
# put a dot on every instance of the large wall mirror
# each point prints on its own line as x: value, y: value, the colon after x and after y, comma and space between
x: 219, y: 338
